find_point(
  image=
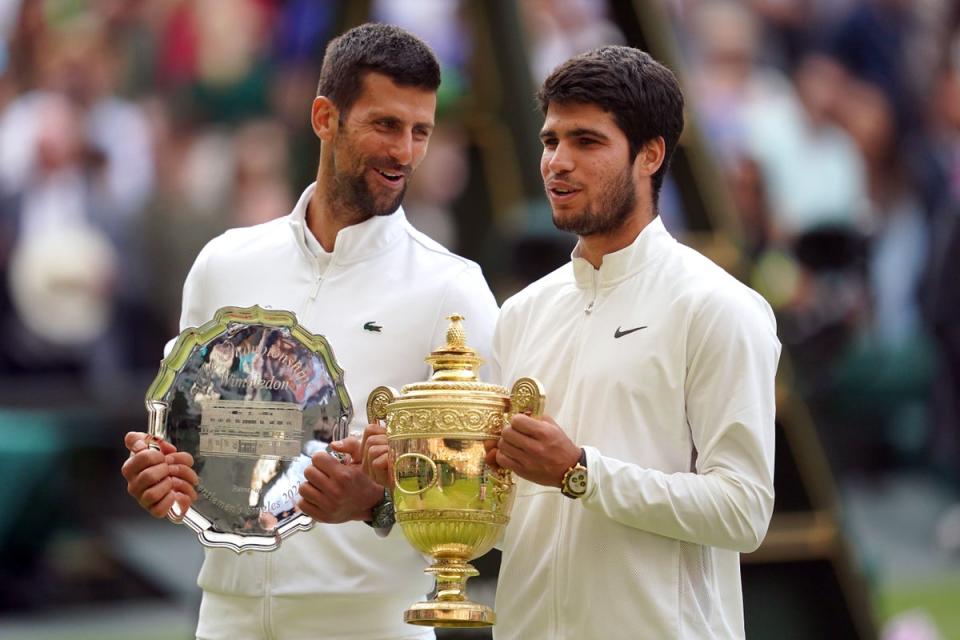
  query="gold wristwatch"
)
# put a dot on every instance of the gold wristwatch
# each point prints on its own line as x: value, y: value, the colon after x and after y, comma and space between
x: 574, y: 483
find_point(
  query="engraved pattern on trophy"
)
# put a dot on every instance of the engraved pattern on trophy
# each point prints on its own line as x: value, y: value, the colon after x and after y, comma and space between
x: 251, y: 395
x: 454, y: 386
x: 465, y: 515
x: 444, y: 420
x: 448, y: 502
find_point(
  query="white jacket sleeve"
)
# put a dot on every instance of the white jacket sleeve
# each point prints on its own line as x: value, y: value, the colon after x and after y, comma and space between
x: 726, y: 500
x: 193, y: 311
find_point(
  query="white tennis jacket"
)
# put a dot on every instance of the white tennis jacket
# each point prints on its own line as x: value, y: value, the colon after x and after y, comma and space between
x: 661, y: 365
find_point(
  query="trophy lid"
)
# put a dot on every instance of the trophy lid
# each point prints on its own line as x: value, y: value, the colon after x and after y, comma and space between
x: 455, y: 360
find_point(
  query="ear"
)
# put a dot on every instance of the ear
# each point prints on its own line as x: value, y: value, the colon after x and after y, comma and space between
x: 650, y: 157
x: 324, y: 117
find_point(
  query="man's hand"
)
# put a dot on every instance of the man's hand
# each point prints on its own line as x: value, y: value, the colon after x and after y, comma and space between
x: 376, y: 455
x: 159, y: 479
x: 337, y: 491
x: 536, y: 449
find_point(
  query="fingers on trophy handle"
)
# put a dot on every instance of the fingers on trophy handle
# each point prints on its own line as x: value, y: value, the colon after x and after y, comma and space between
x: 527, y: 396
x: 377, y: 403
x: 156, y: 431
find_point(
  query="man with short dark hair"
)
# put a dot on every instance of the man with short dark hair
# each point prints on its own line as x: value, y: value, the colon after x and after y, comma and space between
x: 352, y: 268
x: 633, y: 505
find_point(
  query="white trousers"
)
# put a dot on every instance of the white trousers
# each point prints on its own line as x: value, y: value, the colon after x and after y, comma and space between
x: 228, y: 617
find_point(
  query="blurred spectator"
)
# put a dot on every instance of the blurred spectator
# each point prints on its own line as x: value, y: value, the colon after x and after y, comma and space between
x: 942, y: 294
x: 833, y: 193
x: 76, y: 168
x: 559, y: 29
x: 728, y: 78
x: 811, y: 168
x: 885, y: 376
x: 879, y: 41
x: 216, y: 59
x: 814, y: 172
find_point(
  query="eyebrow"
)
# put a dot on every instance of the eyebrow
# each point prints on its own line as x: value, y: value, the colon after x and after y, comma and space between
x: 574, y: 133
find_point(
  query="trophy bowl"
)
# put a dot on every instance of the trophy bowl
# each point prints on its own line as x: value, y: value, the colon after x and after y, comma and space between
x: 448, y: 502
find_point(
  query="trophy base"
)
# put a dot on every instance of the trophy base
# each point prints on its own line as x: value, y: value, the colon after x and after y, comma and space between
x: 437, y: 613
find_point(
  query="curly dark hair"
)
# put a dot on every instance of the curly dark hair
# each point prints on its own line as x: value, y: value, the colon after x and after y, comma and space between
x: 382, y: 48
x: 643, y: 96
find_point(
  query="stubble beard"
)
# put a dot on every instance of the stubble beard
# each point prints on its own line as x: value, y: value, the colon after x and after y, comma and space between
x: 606, y: 215
x: 351, y: 191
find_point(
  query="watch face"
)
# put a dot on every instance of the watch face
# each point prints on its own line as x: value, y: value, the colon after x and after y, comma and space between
x: 576, y: 484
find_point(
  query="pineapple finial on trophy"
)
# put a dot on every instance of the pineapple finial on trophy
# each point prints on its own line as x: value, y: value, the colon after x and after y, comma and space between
x: 456, y: 336
x: 455, y: 360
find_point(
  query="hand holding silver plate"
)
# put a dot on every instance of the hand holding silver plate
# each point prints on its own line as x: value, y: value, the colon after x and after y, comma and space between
x: 252, y: 396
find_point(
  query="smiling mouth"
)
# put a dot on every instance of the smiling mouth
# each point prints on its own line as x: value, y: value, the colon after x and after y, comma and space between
x: 562, y: 193
x: 391, y: 176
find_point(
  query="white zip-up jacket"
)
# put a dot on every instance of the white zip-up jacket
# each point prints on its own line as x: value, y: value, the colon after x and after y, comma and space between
x: 661, y: 366
x: 402, y: 285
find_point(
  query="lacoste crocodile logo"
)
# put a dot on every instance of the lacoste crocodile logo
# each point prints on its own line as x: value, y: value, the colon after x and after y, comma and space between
x: 372, y: 326
x: 619, y: 334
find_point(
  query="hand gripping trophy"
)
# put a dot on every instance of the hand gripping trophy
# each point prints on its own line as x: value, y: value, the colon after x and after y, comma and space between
x: 448, y: 502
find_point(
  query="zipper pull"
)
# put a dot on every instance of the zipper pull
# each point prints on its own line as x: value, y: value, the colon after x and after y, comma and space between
x: 589, y: 308
x: 316, y: 288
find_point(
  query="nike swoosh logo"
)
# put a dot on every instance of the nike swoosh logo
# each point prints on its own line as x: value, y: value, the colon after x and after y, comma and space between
x: 619, y: 334
x: 372, y: 326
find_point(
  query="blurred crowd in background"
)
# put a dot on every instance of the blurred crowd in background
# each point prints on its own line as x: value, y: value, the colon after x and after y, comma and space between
x: 132, y: 132
x: 837, y: 125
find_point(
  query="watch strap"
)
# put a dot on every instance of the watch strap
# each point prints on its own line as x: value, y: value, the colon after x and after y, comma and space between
x: 383, y: 517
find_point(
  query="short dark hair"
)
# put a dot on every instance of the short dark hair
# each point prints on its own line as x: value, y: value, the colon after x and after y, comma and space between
x: 643, y: 96
x: 382, y: 48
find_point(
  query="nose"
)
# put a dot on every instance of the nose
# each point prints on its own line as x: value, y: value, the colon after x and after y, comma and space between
x: 559, y: 159
x: 402, y: 149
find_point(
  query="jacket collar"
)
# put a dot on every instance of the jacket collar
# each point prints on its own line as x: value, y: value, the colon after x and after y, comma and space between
x: 355, y: 243
x: 646, y: 247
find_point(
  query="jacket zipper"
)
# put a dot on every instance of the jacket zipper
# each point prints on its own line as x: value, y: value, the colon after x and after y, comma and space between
x: 560, y: 562
x: 316, y: 287
x: 589, y: 308
x: 319, y: 273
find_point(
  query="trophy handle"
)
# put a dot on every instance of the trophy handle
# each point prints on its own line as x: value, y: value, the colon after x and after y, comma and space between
x: 527, y: 396
x: 434, y: 475
x: 377, y: 403
x: 156, y: 421
x: 156, y: 432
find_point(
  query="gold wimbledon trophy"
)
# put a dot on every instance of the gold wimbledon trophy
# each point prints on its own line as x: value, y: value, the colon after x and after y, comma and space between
x: 448, y: 502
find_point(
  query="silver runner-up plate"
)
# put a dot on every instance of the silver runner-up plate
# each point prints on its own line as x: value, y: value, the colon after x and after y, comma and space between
x: 252, y: 396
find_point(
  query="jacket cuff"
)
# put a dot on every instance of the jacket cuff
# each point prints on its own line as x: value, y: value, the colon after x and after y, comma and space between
x: 593, y: 470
